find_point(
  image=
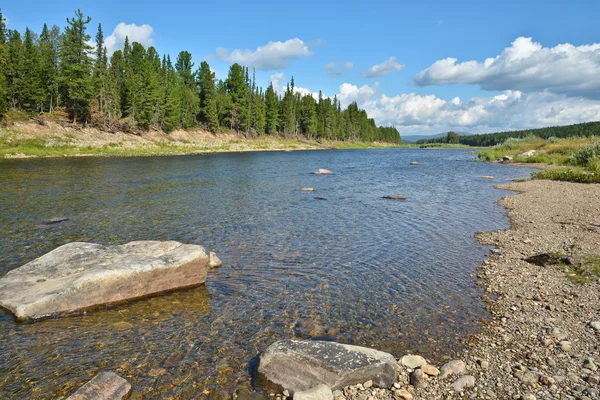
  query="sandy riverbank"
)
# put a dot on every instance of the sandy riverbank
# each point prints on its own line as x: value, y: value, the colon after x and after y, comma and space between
x: 28, y: 140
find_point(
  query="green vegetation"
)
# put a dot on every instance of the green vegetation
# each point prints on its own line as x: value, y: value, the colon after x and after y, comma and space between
x: 586, y: 271
x: 135, y: 89
x: 578, y: 157
x: 493, y: 139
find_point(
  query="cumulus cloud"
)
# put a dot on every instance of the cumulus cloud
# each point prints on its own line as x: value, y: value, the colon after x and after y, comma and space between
x: 273, y: 55
x: 348, y: 65
x: 280, y: 84
x: 421, y: 114
x: 525, y: 66
x: 136, y: 33
x: 385, y: 68
x: 330, y: 66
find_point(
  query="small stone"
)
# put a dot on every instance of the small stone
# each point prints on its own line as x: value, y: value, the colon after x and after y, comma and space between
x: 565, y: 345
x: 404, y: 394
x: 589, y: 364
x: 412, y: 362
x: 595, y: 325
x: 418, y: 379
x: 337, y: 394
x: 530, y: 378
x: 154, y: 372
x: 214, y: 261
x: 368, y: 384
x: 106, y: 385
x: 593, y: 379
x: 397, y: 385
x: 487, y: 177
x: 547, y: 381
x: 413, y: 163
x: 551, y: 362
x: 286, y: 393
x: 320, y: 392
x: 528, y: 396
x: 430, y: 370
x: 483, y: 364
x: 395, y: 197
x: 455, y: 367
x: 461, y: 384
x: 307, y: 189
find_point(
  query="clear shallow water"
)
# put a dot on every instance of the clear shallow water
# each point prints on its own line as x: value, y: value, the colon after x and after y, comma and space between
x: 395, y: 275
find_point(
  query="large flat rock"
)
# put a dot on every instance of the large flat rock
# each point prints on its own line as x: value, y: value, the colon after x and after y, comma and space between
x: 80, y: 276
x: 302, y: 365
x: 104, y: 386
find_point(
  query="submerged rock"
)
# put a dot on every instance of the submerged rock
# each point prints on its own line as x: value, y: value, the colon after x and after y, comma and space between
x: 414, y: 163
x: 394, y: 197
x: 322, y: 171
x: 487, y: 177
x: 80, y: 276
x: 214, y: 261
x: 104, y: 386
x: 302, y: 365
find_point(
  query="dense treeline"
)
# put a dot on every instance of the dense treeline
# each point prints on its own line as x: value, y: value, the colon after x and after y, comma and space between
x: 135, y: 87
x: 491, y: 139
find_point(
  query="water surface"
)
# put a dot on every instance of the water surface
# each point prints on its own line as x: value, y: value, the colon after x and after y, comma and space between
x: 355, y: 268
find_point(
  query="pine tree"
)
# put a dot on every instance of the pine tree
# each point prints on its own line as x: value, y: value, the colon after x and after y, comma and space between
x: 49, y: 46
x: 208, y: 97
x: 100, y: 69
x: 76, y: 67
x: 3, y: 65
x: 31, y: 91
x: 259, y: 111
x: 237, y: 88
x: 271, y: 110
x: 3, y: 33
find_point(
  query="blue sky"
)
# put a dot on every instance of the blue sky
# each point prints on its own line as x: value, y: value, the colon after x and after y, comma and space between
x: 532, y: 83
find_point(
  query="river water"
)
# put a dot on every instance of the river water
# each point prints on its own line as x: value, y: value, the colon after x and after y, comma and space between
x: 355, y: 268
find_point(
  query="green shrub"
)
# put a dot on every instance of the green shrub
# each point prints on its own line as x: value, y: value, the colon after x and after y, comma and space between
x: 583, y: 157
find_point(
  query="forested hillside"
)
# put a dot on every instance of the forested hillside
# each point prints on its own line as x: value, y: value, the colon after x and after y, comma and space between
x: 58, y: 72
x: 491, y: 139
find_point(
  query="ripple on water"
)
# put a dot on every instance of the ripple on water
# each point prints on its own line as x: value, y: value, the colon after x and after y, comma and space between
x: 355, y: 269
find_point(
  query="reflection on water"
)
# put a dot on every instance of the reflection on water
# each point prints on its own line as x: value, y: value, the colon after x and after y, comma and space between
x: 355, y: 269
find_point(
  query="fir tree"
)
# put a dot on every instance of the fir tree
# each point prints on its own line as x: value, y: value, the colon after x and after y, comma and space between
x: 271, y: 110
x: 76, y: 67
x: 208, y: 97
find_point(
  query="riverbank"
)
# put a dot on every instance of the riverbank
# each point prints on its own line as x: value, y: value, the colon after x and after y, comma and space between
x: 542, y: 287
x: 30, y: 139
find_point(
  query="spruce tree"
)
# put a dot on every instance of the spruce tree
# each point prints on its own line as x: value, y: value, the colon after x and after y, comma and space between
x: 100, y: 69
x: 49, y: 45
x: 76, y: 67
x: 208, y: 97
x: 271, y: 110
x: 32, y: 93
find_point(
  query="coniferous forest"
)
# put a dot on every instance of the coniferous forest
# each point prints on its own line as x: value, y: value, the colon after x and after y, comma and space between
x: 137, y: 88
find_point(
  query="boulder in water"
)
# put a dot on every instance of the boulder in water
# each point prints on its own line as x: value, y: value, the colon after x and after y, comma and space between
x: 322, y: 171
x: 79, y: 276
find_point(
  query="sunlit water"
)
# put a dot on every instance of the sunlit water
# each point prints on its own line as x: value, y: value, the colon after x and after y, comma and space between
x: 395, y: 275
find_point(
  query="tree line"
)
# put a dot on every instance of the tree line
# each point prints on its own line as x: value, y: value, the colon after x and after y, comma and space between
x: 491, y: 139
x: 136, y: 87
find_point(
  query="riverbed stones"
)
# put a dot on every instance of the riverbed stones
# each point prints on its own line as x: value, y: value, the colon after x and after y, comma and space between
x: 394, y: 197
x: 412, y: 362
x: 595, y: 325
x: 464, y: 382
x: 322, y: 171
x: 302, y: 365
x: 453, y: 368
x: 104, y: 386
x: 430, y: 370
x: 79, y: 276
x: 319, y: 392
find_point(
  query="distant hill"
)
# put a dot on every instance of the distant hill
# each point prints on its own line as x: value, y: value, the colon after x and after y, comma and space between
x: 414, y: 138
x: 491, y: 139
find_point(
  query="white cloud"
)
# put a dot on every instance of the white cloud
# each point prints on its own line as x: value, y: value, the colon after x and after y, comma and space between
x: 385, y: 68
x: 348, y: 65
x: 330, y: 66
x: 421, y: 114
x: 526, y: 66
x: 280, y: 84
x: 136, y: 33
x: 273, y: 55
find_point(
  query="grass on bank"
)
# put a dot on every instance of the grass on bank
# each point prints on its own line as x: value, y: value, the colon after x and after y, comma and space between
x: 577, y: 158
x: 15, y: 143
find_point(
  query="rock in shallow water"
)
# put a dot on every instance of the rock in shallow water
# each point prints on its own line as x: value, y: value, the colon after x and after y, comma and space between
x: 322, y: 171
x: 79, y: 276
x: 302, y: 365
x: 104, y: 386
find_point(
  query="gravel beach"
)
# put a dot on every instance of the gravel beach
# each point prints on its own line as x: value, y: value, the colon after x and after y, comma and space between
x: 543, y: 341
